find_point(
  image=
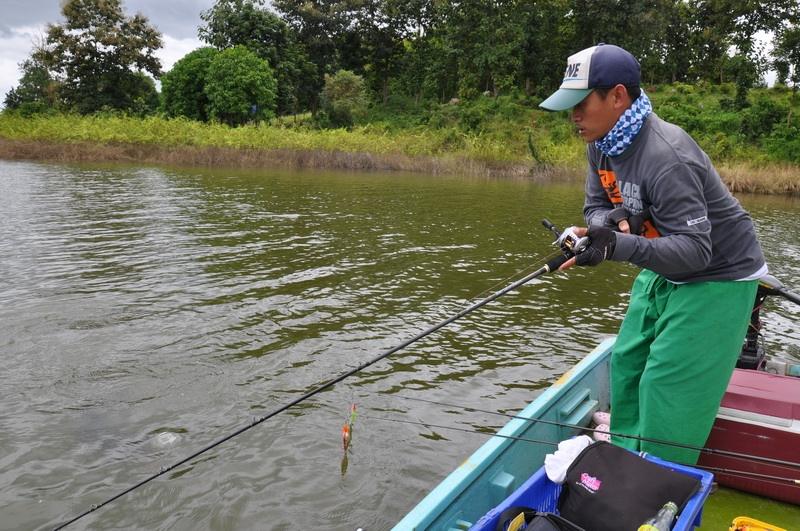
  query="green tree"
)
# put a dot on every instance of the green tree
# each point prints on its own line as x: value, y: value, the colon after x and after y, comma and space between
x: 183, y: 87
x: 248, y: 23
x: 745, y: 18
x: 376, y: 34
x: 363, y: 36
x: 420, y: 67
x: 240, y: 87
x: 676, y: 57
x: 723, y: 24
x: 495, y: 39
x: 661, y: 48
x: 318, y: 23
x: 140, y: 90
x: 549, y: 37
x: 746, y: 74
x: 344, y: 99
x: 603, y: 21
x: 427, y: 71
x: 787, y: 56
x: 479, y: 46
x: 98, y: 54
x: 37, y: 90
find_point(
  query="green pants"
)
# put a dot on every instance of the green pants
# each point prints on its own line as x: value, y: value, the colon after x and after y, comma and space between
x: 673, y: 359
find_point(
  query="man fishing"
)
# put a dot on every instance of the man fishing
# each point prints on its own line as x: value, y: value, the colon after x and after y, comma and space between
x: 654, y: 199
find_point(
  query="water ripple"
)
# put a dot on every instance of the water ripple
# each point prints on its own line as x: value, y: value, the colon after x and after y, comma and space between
x: 145, y: 313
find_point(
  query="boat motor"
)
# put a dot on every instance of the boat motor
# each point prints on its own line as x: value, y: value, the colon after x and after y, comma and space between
x: 753, y: 355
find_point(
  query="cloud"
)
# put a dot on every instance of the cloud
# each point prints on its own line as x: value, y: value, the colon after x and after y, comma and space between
x: 16, y: 45
x: 174, y: 49
x: 179, y: 18
x: 26, y: 13
x: 24, y: 21
x: 766, y: 39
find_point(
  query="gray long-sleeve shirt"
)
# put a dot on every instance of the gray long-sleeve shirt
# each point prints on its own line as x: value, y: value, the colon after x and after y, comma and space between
x: 705, y: 232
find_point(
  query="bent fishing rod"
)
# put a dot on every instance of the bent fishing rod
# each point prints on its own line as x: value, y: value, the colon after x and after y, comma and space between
x: 663, y: 442
x: 568, y: 247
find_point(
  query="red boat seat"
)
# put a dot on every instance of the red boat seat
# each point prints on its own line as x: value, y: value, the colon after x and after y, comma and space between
x: 764, y: 393
x: 760, y: 416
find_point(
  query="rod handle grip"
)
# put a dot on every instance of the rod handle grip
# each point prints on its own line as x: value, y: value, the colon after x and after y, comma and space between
x: 556, y: 262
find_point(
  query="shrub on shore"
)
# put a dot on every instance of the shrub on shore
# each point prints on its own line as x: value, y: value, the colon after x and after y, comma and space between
x: 493, y: 130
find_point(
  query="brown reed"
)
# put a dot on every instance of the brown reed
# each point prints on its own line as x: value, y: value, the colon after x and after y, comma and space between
x: 214, y: 156
x: 765, y: 179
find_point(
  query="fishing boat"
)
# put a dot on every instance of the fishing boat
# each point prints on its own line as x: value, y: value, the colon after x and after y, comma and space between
x: 505, y: 461
x: 759, y: 415
x: 508, y: 459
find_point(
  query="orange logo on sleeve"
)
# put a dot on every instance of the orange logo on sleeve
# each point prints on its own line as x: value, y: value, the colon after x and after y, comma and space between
x: 609, y: 181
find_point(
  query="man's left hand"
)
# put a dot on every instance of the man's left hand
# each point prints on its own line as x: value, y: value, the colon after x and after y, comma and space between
x: 621, y: 219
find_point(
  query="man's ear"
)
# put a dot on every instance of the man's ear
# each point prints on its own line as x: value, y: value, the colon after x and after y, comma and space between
x: 622, y: 100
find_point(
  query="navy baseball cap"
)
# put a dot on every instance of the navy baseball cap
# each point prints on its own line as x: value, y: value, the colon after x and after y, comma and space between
x: 601, y: 66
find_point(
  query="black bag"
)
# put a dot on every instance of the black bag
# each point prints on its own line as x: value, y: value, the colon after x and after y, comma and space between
x: 534, y: 521
x: 609, y: 488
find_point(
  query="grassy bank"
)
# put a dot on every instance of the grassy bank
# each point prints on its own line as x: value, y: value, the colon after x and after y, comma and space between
x: 376, y: 139
x: 185, y: 142
x: 753, y: 148
x: 216, y: 156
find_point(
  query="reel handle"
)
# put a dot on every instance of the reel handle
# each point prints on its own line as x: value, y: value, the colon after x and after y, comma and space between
x: 569, y: 242
x: 552, y: 228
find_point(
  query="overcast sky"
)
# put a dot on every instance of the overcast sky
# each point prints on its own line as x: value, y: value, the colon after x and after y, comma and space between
x: 22, y: 22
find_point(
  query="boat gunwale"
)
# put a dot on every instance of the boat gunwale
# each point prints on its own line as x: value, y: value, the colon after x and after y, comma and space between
x: 470, y: 472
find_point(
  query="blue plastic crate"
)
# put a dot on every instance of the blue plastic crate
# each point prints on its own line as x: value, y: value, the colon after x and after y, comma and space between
x: 542, y: 494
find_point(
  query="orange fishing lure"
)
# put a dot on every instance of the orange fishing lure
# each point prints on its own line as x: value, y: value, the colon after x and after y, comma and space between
x: 347, y: 429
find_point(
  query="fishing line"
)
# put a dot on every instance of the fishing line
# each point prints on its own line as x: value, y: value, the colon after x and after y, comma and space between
x: 662, y: 442
x: 551, y: 265
x: 456, y: 428
x: 740, y: 473
x: 524, y: 270
x: 554, y: 258
x: 744, y: 474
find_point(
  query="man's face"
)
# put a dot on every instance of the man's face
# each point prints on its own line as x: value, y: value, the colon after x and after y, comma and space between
x: 595, y: 116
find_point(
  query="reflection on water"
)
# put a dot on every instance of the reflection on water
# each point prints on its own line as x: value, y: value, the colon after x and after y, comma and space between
x: 145, y: 313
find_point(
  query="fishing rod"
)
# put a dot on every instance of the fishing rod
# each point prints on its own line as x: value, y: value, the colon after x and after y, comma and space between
x: 663, y: 442
x: 776, y: 480
x: 740, y: 473
x: 568, y: 248
x: 770, y: 285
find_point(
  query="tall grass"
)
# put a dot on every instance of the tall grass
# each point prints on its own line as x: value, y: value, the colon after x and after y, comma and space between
x: 505, y: 134
x: 165, y: 132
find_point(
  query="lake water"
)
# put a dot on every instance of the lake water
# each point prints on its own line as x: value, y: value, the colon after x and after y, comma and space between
x: 148, y: 312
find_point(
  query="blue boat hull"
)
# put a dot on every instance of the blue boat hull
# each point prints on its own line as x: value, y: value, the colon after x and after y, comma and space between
x: 502, y: 464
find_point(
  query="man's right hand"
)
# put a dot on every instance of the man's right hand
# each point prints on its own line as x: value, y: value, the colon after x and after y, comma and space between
x: 602, y: 241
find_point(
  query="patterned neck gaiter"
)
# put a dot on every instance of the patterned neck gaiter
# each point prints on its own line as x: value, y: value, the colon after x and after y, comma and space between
x: 627, y: 127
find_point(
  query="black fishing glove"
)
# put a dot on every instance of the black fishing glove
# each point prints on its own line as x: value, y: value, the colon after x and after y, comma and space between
x: 618, y: 214
x: 601, y: 246
x: 635, y: 221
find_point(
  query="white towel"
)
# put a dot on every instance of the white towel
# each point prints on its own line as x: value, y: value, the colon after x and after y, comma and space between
x: 556, y: 464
